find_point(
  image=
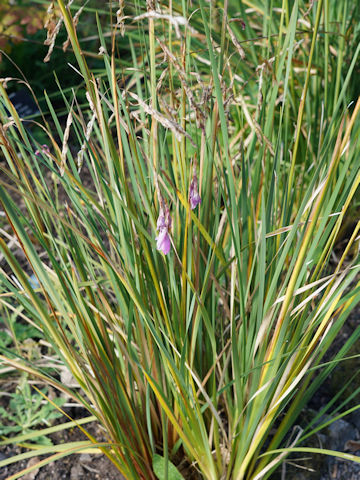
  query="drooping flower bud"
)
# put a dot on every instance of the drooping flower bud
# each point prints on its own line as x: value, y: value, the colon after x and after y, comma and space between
x: 194, y: 197
x: 163, y: 241
x: 163, y: 226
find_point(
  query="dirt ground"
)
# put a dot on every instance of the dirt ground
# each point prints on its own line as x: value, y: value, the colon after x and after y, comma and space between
x: 73, y: 467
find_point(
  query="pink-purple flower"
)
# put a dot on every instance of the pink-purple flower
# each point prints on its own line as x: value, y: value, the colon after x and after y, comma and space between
x: 163, y: 241
x: 44, y: 149
x: 163, y: 226
x: 194, y: 197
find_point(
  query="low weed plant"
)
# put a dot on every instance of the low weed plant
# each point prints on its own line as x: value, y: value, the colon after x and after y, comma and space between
x: 181, y: 224
x: 26, y: 411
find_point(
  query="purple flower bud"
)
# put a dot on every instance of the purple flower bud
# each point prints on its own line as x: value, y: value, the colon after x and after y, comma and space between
x: 194, y: 196
x: 44, y: 149
x: 160, y: 224
x: 163, y: 241
x: 163, y: 225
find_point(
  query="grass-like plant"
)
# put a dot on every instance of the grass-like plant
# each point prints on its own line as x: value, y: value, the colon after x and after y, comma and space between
x: 180, y: 227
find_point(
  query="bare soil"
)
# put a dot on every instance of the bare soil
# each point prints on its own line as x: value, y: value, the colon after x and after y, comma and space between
x: 73, y: 467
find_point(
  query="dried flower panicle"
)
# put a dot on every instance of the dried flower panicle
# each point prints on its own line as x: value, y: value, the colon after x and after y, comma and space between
x: 52, y: 25
x: 75, y: 21
x: 120, y: 18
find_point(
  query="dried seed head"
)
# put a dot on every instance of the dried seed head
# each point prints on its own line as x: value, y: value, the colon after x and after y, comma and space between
x: 89, y: 128
x: 53, y: 26
x: 50, y: 23
x: 176, y: 21
x: 91, y: 105
x: 75, y: 22
x: 236, y: 43
x: 64, y: 149
x: 150, y: 5
x: 51, y: 38
x: 120, y: 18
x: 166, y: 122
x: 200, y: 115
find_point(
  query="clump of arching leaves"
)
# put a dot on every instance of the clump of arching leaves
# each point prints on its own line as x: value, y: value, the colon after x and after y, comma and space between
x: 181, y: 225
